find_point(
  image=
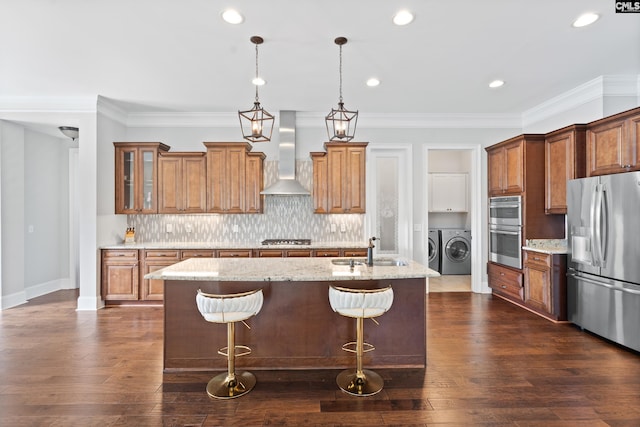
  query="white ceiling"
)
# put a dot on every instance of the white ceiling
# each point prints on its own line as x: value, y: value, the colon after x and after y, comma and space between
x: 170, y: 55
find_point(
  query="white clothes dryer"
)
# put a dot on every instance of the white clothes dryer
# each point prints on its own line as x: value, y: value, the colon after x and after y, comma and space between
x: 434, y: 249
x: 455, y: 248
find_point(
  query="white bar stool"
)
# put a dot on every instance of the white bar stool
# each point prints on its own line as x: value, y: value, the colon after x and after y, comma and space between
x: 230, y: 309
x: 360, y: 304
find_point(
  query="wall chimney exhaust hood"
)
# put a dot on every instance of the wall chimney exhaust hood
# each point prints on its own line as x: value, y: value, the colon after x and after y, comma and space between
x: 286, y: 184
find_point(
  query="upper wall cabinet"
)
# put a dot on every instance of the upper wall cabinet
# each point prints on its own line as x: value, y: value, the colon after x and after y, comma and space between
x: 613, y: 144
x: 506, y: 166
x: 339, y: 178
x: 448, y: 192
x: 230, y: 167
x: 564, y: 154
x: 136, y: 172
x: 182, y: 185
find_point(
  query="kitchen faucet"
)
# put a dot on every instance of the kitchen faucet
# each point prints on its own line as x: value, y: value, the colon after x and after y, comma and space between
x: 370, y: 251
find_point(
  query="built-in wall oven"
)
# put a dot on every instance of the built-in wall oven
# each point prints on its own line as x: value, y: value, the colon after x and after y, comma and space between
x: 505, y: 230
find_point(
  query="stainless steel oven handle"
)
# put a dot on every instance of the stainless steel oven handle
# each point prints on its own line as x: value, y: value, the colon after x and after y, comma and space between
x: 605, y: 285
x: 499, y: 205
x: 511, y: 233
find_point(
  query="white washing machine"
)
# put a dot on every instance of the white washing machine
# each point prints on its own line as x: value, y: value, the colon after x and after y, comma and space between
x: 455, y: 249
x: 434, y: 250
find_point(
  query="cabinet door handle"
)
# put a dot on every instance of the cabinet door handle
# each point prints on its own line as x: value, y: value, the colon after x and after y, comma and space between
x: 536, y: 258
x: 504, y: 286
x: 502, y: 274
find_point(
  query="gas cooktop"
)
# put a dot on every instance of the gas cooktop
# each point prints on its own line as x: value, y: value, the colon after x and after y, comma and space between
x: 286, y: 242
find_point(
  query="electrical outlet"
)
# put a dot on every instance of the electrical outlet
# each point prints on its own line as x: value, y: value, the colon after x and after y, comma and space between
x: 31, y: 229
x: 235, y: 228
x: 343, y: 228
x: 417, y: 227
x: 169, y: 228
x: 188, y: 228
x: 333, y: 228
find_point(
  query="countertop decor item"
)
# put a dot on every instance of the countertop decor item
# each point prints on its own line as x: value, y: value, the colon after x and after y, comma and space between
x: 256, y: 123
x: 341, y: 123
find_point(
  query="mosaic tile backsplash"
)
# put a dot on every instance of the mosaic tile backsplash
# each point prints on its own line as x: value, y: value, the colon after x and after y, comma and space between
x: 284, y: 217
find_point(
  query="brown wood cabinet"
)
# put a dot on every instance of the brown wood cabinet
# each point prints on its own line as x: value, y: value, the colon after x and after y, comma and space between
x: 120, y: 273
x: 152, y: 289
x: 227, y: 191
x: 505, y: 281
x: 182, y: 183
x: 545, y: 284
x: 136, y: 176
x: 339, y: 178
x: 197, y: 253
x: 564, y: 152
x: 613, y: 144
x: 506, y: 167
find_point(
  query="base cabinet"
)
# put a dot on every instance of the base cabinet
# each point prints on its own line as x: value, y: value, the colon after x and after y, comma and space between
x: 123, y: 270
x: 505, y: 281
x: 545, y: 284
x: 120, y: 272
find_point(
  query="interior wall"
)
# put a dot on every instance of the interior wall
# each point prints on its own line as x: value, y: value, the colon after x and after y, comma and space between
x: 46, y: 207
x: 12, y: 137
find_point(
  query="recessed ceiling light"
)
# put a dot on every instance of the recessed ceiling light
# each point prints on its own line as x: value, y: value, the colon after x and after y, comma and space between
x: 232, y: 16
x: 585, y: 19
x: 258, y: 81
x: 496, y: 83
x: 373, y: 82
x: 402, y: 17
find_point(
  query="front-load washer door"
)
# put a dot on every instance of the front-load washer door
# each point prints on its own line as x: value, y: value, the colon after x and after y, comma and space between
x: 433, y: 250
x: 457, y: 249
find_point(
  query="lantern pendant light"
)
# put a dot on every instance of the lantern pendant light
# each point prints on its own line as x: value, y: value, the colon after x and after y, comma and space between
x: 256, y: 123
x: 341, y: 123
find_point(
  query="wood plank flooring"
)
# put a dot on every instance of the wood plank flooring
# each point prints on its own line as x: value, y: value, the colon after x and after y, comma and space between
x: 489, y: 364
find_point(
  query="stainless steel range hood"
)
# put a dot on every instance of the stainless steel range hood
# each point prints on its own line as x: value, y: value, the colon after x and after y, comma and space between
x: 286, y: 184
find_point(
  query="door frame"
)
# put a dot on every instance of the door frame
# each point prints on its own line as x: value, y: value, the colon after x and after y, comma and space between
x: 475, y: 202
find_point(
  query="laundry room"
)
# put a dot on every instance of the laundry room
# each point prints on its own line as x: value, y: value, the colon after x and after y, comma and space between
x: 449, y: 219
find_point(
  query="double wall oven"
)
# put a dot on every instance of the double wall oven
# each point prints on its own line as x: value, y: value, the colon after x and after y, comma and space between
x: 505, y: 230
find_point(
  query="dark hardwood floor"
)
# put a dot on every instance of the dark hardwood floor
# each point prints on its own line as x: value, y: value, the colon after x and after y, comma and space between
x: 489, y: 364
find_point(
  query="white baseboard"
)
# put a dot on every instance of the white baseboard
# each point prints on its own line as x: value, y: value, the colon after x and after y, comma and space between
x: 44, y: 288
x: 13, y: 300
x: 89, y: 303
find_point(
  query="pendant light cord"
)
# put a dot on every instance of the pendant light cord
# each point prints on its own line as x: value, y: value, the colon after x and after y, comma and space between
x: 256, y: 72
x: 340, y: 100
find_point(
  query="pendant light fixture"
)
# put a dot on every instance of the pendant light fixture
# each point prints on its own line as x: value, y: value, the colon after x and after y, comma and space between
x: 256, y: 123
x: 341, y: 123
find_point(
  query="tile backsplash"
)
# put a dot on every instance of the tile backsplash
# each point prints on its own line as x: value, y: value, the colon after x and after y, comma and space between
x: 284, y: 217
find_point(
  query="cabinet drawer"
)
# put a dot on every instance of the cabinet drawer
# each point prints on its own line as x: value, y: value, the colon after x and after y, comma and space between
x: 155, y: 254
x: 298, y: 253
x: 234, y: 253
x: 268, y: 253
x: 327, y: 252
x: 505, y: 280
x: 120, y: 255
x: 539, y: 259
x: 197, y: 253
x: 355, y: 252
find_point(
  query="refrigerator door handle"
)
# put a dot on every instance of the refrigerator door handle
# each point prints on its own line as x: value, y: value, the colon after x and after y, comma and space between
x: 606, y: 285
x: 596, y: 224
x: 604, y: 213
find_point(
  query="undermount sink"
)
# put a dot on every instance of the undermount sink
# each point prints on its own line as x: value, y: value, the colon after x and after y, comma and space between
x: 380, y: 262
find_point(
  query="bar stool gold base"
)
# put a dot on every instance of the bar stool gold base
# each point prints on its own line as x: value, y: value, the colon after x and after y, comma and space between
x: 222, y: 387
x: 350, y: 383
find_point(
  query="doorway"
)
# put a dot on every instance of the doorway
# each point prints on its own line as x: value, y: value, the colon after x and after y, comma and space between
x: 452, y: 214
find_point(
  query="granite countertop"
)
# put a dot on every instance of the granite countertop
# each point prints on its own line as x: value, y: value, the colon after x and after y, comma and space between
x: 227, y: 245
x: 285, y: 269
x: 547, y: 246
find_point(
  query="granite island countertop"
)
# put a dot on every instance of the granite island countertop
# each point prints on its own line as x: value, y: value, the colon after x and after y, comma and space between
x: 547, y: 246
x: 227, y: 245
x: 285, y: 269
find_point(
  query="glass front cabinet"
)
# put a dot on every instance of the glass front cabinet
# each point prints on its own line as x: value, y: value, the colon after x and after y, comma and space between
x: 136, y: 174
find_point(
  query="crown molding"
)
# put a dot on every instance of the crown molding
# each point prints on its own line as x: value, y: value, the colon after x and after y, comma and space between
x: 592, y: 90
x: 111, y: 110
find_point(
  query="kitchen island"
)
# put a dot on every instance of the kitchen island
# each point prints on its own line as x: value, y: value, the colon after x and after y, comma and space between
x: 296, y: 328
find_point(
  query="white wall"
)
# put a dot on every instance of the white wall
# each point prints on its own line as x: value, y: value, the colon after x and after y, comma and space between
x: 35, y: 209
x: 12, y: 190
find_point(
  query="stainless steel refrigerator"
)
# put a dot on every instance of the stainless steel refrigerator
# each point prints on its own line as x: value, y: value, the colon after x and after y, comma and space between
x: 603, y: 218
